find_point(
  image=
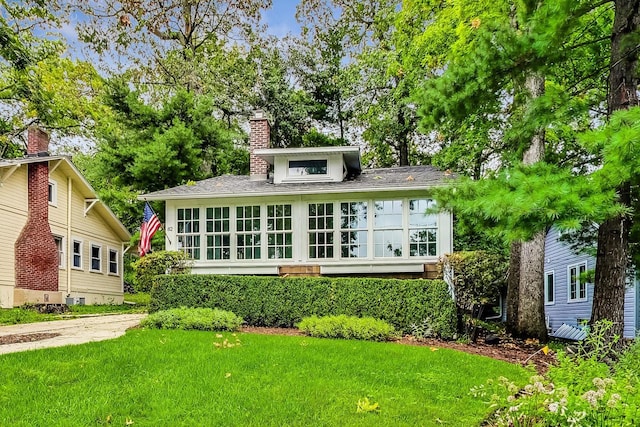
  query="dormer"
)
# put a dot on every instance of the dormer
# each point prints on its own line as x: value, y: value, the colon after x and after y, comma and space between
x: 317, y: 164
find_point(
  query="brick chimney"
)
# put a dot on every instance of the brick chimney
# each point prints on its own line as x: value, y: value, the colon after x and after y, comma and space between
x: 258, y: 138
x: 36, y: 253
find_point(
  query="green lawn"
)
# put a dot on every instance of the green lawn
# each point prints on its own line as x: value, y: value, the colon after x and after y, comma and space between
x: 180, y: 378
x: 13, y: 316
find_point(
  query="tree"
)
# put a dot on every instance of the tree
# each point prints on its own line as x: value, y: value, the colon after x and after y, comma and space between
x: 496, y: 73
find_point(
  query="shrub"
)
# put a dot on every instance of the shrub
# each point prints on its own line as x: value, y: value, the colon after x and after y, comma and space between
x: 149, y: 266
x: 347, y: 327
x: 203, y: 319
x: 580, y: 390
x: 283, y: 302
x: 477, y: 277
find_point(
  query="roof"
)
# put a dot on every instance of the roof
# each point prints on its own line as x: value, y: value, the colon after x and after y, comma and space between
x: 65, y: 164
x: 381, y: 180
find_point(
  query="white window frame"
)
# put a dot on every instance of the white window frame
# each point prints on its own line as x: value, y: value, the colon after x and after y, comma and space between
x: 327, y: 233
x: 360, y: 231
x: 194, y: 251
x: 390, y: 230
x: 578, y: 283
x: 109, y: 252
x: 91, y: 258
x: 52, y: 193
x: 61, y: 250
x: 548, y: 274
x: 73, y: 255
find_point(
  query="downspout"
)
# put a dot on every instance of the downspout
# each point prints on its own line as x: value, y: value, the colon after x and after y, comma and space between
x: 69, y: 237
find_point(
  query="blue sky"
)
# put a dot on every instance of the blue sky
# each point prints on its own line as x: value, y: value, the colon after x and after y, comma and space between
x: 281, y: 18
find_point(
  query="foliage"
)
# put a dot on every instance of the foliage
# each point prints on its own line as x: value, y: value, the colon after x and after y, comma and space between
x: 283, y: 302
x: 347, y: 327
x: 164, y: 377
x: 477, y: 277
x: 203, y: 319
x: 151, y: 265
x: 580, y: 390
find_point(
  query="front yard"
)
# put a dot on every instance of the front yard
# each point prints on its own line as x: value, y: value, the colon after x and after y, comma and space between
x: 170, y: 378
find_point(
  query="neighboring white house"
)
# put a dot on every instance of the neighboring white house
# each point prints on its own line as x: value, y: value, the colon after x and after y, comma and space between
x: 568, y: 298
x: 309, y: 211
x: 59, y: 240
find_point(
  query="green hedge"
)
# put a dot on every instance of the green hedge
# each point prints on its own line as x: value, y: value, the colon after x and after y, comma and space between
x: 347, y: 327
x: 283, y: 302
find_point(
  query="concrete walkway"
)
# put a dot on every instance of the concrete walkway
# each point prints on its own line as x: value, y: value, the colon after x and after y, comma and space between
x: 72, y: 331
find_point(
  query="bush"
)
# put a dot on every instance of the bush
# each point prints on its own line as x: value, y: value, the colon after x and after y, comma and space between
x: 203, y: 319
x: 347, y: 327
x: 283, y: 302
x: 149, y: 266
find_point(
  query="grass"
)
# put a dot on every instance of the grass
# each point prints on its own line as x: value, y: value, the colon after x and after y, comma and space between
x: 14, y: 316
x: 182, y: 378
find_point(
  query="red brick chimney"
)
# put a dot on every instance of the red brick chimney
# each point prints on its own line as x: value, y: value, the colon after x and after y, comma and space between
x: 36, y: 253
x: 258, y: 138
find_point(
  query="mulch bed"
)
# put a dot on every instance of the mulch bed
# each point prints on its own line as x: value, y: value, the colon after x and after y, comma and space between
x: 508, y: 350
x: 18, y: 338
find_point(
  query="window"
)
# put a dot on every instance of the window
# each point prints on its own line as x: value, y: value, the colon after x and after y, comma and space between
x: 387, y: 234
x: 279, y: 236
x: 307, y: 167
x: 77, y: 254
x: 423, y: 231
x: 188, y: 234
x: 248, y: 232
x: 320, y: 230
x: 549, y: 288
x: 60, y: 245
x: 577, y: 288
x: 96, y: 258
x: 53, y: 193
x: 218, y: 236
x: 353, y: 230
x: 113, y: 261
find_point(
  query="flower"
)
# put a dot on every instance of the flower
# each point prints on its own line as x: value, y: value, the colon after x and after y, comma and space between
x: 553, y: 407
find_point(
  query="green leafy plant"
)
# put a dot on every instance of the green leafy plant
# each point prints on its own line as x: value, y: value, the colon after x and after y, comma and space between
x: 347, y: 327
x: 283, y: 302
x: 204, y: 319
x: 156, y: 263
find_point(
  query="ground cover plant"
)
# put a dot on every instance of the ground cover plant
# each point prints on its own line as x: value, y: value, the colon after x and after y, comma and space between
x: 203, y: 319
x: 184, y: 378
x: 349, y: 327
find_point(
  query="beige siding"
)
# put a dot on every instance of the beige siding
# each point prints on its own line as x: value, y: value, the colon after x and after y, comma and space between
x: 13, y: 214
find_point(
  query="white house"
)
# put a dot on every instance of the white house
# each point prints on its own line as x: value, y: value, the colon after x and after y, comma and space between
x: 309, y: 211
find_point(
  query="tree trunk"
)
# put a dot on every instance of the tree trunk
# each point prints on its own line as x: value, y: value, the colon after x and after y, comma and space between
x: 613, y: 235
x: 529, y: 319
x: 513, y: 286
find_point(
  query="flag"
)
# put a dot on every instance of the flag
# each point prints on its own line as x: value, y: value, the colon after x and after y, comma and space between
x: 150, y: 224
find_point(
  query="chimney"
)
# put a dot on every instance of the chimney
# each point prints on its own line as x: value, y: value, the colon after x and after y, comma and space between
x: 258, y: 138
x: 36, y: 253
x: 37, y: 142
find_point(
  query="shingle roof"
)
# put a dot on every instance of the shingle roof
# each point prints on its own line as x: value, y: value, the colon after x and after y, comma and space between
x: 387, y: 179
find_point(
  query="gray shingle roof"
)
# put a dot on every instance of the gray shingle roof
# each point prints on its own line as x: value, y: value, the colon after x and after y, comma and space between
x: 387, y: 179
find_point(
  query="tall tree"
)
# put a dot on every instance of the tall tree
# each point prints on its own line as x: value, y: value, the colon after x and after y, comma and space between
x: 613, y: 234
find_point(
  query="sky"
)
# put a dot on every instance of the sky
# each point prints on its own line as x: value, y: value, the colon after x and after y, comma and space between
x: 281, y: 18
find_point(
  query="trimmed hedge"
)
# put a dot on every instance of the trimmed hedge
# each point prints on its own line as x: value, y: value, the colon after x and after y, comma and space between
x: 282, y: 302
x: 202, y: 319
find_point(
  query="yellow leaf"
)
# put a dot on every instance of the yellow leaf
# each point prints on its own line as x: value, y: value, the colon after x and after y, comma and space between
x: 227, y: 375
x: 433, y: 348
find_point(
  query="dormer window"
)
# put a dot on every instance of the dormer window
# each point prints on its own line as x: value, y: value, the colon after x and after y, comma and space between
x: 307, y: 167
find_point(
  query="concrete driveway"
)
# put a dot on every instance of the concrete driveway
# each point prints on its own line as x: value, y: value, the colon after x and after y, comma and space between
x: 72, y: 331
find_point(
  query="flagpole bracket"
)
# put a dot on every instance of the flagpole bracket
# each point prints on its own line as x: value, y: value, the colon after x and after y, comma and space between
x: 89, y: 204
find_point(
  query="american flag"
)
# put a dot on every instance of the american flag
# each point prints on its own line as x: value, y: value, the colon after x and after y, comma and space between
x: 150, y: 224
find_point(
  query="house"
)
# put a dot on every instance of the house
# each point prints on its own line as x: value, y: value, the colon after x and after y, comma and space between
x: 568, y: 298
x: 309, y: 211
x: 59, y: 240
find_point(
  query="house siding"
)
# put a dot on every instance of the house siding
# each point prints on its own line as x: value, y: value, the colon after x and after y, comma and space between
x: 558, y: 258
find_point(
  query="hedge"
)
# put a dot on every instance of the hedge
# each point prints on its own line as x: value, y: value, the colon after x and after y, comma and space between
x: 282, y: 302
